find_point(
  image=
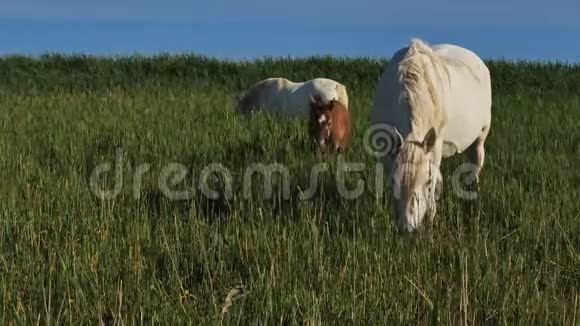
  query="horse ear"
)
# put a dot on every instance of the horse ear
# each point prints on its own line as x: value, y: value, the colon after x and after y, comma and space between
x: 313, y: 104
x: 331, y: 104
x: 312, y: 100
x: 429, y: 140
x: 316, y: 99
x: 392, y: 139
x: 397, y: 142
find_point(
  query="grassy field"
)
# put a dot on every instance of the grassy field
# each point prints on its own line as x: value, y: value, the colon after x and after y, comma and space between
x: 67, y: 257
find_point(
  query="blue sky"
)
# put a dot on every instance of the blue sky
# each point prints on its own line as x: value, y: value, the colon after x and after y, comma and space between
x: 512, y: 29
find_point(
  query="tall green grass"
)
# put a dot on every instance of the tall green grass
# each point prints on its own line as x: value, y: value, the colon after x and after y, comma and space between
x: 511, y: 257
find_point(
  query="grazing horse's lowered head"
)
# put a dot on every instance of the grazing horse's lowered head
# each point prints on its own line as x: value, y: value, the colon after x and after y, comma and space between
x: 329, y: 124
x: 413, y: 180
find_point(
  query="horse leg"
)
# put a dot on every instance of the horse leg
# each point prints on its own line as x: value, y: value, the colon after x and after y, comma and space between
x: 438, y: 188
x: 476, y: 154
x: 339, y: 145
x: 438, y: 191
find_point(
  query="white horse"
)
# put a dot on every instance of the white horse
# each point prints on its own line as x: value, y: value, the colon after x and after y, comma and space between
x: 433, y: 102
x: 280, y: 95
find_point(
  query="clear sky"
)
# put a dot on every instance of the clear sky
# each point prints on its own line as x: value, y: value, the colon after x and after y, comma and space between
x: 511, y: 29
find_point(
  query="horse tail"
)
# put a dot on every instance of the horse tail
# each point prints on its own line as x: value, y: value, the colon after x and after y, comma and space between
x: 252, y: 97
x: 246, y: 101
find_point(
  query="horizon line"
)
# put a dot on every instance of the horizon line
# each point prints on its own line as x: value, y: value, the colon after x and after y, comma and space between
x: 253, y: 59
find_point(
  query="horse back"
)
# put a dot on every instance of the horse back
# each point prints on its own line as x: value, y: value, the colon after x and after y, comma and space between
x: 329, y: 90
x: 468, y: 98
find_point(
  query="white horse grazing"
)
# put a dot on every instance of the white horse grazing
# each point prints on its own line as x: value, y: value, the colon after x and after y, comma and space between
x: 434, y: 102
x: 280, y: 95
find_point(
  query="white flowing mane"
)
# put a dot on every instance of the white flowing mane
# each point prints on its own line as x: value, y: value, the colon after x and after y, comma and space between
x: 420, y: 86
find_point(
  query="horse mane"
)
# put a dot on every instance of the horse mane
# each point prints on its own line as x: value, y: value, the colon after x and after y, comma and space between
x: 420, y: 86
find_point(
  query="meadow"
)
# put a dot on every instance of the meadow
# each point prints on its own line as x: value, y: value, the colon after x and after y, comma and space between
x: 68, y: 257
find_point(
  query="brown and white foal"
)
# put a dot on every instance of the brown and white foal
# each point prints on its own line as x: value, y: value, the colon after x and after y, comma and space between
x: 329, y: 124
